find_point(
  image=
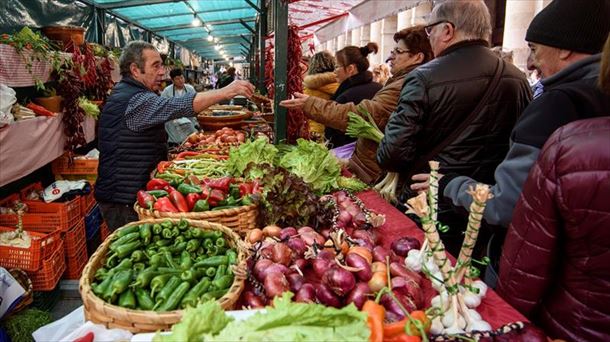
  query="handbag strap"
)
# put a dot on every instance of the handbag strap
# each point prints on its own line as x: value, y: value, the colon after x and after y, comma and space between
x: 493, y: 84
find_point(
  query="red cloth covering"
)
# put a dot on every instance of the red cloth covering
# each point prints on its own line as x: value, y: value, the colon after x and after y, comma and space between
x: 493, y: 309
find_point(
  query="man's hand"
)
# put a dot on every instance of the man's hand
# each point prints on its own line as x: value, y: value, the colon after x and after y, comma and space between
x: 422, y: 181
x: 239, y: 87
x: 297, y: 102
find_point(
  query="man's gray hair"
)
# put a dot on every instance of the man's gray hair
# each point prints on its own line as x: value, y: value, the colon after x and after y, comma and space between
x: 132, y: 53
x: 471, y: 18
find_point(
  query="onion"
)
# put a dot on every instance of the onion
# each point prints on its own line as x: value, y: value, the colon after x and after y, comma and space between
x: 364, y: 243
x: 356, y: 261
x: 275, y: 284
x: 296, y: 281
x: 379, y: 267
x: 272, y: 230
x: 341, y: 281
x: 358, y: 295
x: 398, y: 270
x: 344, y: 218
x: 253, y: 301
x: 352, y: 209
x: 287, y: 232
x: 320, y: 266
x: 255, y: 235
x: 363, y: 252
x: 341, y: 196
x: 403, y: 245
x: 364, y: 235
x: 380, y: 253
x: 267, y: 252
x: 306, y: 294
x: 305, y: 229
x: 325, y: 233
x: 326, y: 254
x: 297, y: 245
x: 391, y: 306
x: 409, y: 289
x: 300, y: 263
x: 311, y: 237
x: 260, y: 268
x: 326, y: 296
x: 279, y: 268
x: 282, y: 254
x: 378, y: 281
x: 359, y: 220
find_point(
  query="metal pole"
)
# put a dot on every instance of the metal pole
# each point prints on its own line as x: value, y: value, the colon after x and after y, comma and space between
x: 262, y: 32
x: 280, y: 26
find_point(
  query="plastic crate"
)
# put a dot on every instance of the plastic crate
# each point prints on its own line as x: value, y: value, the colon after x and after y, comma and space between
x: 75, y: 238
x: 52, y: 268
x: 60, y: 166
x: 93, y: 221
x: 29, y: 259
x: 76, y: 263
x: 104, y: 231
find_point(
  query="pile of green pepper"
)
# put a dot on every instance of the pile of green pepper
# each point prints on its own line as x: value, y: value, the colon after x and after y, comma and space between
x: 164, y: 267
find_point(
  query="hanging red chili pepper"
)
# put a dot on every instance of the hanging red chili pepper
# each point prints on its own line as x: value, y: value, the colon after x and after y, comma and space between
x: 269, y: 80
x: 297, y: 125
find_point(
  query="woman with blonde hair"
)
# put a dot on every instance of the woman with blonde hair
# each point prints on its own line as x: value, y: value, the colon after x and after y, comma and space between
x: 321, y: 82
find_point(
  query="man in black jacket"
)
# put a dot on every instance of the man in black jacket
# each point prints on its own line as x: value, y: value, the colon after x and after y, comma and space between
x: 438, y: 96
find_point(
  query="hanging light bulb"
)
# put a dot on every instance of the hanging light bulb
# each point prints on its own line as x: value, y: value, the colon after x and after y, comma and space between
x: 210, y: 38
x: 216, y: 47
x: 196, y: 22
x: 215, y: 39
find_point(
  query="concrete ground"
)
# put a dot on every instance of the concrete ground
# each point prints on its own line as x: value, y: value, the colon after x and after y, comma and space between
x: 70, y: 299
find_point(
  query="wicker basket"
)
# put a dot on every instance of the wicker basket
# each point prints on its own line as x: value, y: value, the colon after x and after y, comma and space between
x: 241, y: 219
x: 112, y: 316
x: 28, y: 296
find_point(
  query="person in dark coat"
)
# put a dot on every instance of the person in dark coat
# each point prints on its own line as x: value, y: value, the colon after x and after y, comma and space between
x: 227, y: 78
x: 356, y: 84
x: 439, y: 95
x: 132, y: 138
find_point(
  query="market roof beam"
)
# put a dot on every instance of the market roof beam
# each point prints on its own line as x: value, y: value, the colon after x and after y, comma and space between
x: 214, y: 23
x: 247, y: 26
x: 198, y: 13
x: 197, y: 40
x: 133, y: 3
x: 246, y: 39
x: 253, y: 5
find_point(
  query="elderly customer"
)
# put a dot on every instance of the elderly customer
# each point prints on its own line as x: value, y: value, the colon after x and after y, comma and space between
x: 131, y: 134
x: 411, y: 50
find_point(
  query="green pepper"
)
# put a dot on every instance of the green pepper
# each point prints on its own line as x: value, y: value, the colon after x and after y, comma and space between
x: 234, y: 191
x: 169, y: 270
x: 169, y: 260
x: 124, y: 250
x: 201, y: 205
x: 139, y: 266
x: 143, y: 299
x: 212, y: 261
x: 156, y: 260
x: 124, y: 240
x: 146, y: 233
x: 121, y: 281
x: 155, y: 238
x: 213, y: 295
x: 192, y: 297
x: 188, y: 234
x: 232, y: 256
x: 192, y: 276
x: 183, y: 224
x: 172, y: 302
x: 175, y: 231
x: 212, y: 251
x: 208, y: 243
x: 200, y: 252
x: 179, y: 239
x: 220, y: 242
x: 127, y: 300
x: 167, y: 224
x: 192, y: 245
x: 178, y: 248
x: 137, y: 256
x: 166, y: 291
x: 101, y: 273
x: 157, y: 193
x: 167, y: 233
x: 220, y: 271
x: 185, y: 260
x: 127, y: 230
x: 196, y: 233
x: 125, y: 264
x: 158, y: 282
x: 223, y: 282
x: 186, y: 189
x: 162, y: 243
x: 143, y: 278
x: 210, y: 272
x: 157, y: 228
x: 103, y: 286
x: 247, y: 200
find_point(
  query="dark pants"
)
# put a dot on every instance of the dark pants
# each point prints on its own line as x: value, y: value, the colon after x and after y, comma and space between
x: 117, y: 215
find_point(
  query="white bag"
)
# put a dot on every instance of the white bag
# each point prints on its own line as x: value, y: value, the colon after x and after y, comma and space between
x: 7, y: 99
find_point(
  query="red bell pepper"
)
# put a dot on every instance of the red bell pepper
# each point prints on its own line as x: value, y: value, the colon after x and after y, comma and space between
x: 205, y: 193
x: 169, y: 188
x: 156, y: 184
x: 185, y: 154
x: 165, y: 205
x: 40, y: 110
x: 162, y: 166
x: 191, y: 199
x: 245, y: 189
x: 220, y: 183
x: 145, y: 200
x: 192, y: 179
x: 88, y: 337
x: 178, y: 200
x: 215, y: 197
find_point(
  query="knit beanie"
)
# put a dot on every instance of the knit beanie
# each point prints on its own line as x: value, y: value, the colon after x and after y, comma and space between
x: 575, y: 25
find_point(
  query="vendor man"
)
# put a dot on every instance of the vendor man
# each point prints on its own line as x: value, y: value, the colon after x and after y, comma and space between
x: 132, y: 138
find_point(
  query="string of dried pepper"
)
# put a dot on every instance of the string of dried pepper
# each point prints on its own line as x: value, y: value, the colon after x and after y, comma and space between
x: 297, y: 125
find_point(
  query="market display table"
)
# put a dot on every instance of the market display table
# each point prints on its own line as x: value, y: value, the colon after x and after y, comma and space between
x: 493, y: 309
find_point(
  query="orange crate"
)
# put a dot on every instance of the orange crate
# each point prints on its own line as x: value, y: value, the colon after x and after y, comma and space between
x: 60, y: 166
x: 75, y: 238
x: 104, y: 231
x: 76, y: 263
x: 52, y: 268
x: 29, y: 259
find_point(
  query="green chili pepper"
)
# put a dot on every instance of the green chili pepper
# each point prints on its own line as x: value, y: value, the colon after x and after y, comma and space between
x: 103, y: 286
x: 157, y: 193
x: 212, y: 261
x: 101, y: 273
x: 232, y: 256
x: 210, y: 272
x: 246, y: 200
x: 124, y: 250
x: 191, y: 297
x: 223, y: 282
x: 125, y: 264
x: 162, y: 243
x: 212, y: 251
x: 187, y: 234
x: 183, y: 224
x: 220, y: 242
x: 175, y: 231
x: 179, y: 239
x: 166, y: 233
x: 157, y: 228
x: 201, y: 205
x: 166, y: 291
x: 200, y: 252
x: 169, y: 260
x: 127, y: 300
x: 186, y: 189
x: 143, y: 278
x: 175, y: 297
x: 192, y: 245
x: 167, y: 224
x: 220, y: 271
x: 213, y: 295
x: 146, y: 233
x: 139, y: 266
x: 196, y: 233
x: 208, y: 243
x: 143, y: 299
x: 155, y: 238
x: 191, y: 276
x: 185, y: 260
x: 158, y: 282
x: 127, y: 230
x: 121, y: 281
x: 124, y: 240
x: 169, y: 270
x: 178, y: 248
x: 137, y: 256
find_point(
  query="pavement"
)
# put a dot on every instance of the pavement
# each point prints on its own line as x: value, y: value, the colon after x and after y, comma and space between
x: 70, y: 299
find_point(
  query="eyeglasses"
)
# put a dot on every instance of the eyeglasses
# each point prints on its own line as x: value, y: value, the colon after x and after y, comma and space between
x: 428, y: 28
x: 398, y: 51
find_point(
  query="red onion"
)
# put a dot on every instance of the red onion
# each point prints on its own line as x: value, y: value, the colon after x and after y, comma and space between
x: 344, y: 218
x: 298, y: 246
x: 398, y: 270
x: 253, y: 301
x: 300, y: 263
x: 341, y: 196
x: 296, y: 281
x: 311, y: 236
x: 282, y: 254
x: 325, y: 233
x: 305, y: 229
x: 358, y: 295
x: 339, y: 280
x: 353, y: 210
x: 287, y: 232
x: 267, y: 252
x: 275, y: 284
x: 320, y: 266
x: 364, y: 235
x: 349, y: 230
x: 408, y: 288
x: 260, y: 268
x: 391, y: 306
x: 359, y: 220
x: 306, y: 294
x: 380, y: 253
x: 275, y: 268
x: 326, y: 254
x: 326, y: 296
x: 403, y: 245
x: 364, y: 243
x: 356, y: 261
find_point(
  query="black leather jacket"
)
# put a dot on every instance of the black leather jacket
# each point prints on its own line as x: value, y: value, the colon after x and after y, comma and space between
x: 437, y: 96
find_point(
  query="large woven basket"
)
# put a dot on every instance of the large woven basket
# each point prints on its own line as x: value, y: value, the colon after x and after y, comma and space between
x: 112, y: 316
x: 240, y: 219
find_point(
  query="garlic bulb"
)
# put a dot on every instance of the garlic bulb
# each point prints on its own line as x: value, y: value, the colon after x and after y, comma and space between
x: 437, y: 326
x: 479, y: 284
x: 454, y: 330
x: 474, y: 315
x: 478, y: 325
x: 471, y: 300
x: 413, y: 262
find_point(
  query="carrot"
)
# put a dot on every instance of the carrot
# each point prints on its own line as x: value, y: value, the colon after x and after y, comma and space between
x: 376, y: 314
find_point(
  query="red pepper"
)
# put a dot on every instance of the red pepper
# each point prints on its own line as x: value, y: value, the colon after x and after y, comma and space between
x: 88, y: 337
x: 220, y: 183
x: 178, y: 200
x: 169, y: 188
x: 245, y: 189
x: 205, y: 193
x: 40, y: 110
x: 156, y: 184
x: 165, y: 205
x: 145, y: 200
x: 192, y: 179
x: 191, y: 199
x: 215, y: 197
x: 185, y: 154
x: 162, y: 166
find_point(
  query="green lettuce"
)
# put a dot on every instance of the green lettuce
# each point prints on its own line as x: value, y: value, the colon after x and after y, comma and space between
x: 315, y: 164
x: 258, y: 151
x: 206, y: 318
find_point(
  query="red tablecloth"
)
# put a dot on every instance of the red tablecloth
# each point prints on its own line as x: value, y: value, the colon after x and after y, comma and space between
x: 493, y: 309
